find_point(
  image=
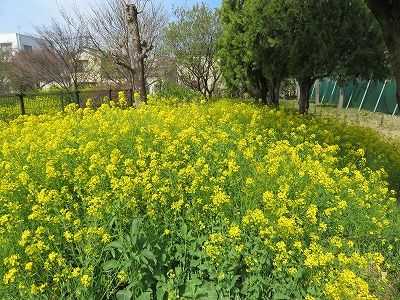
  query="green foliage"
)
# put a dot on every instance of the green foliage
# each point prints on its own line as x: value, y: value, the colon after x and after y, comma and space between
x: 169, y: 89
x: 241, y: 48
x: 306, y: 40
x: 379, y: 152
x: 191, y: 41
x: 333, y: 37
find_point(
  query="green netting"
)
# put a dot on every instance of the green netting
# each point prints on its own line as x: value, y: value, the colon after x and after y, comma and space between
x: 10, y: 107
x: 39, y: 104
x: 388, y: 100
x: 368, y: 95
x: 329, y: 92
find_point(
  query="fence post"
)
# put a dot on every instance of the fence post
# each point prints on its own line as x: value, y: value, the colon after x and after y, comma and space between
x: 21, y: 100
x: 130, y: 103
x: 109, y: 94
x: 341, y: 97
x: 77, y: 97
x: 316, y: 85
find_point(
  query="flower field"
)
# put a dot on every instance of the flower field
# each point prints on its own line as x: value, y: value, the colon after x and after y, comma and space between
x: 221, y: 200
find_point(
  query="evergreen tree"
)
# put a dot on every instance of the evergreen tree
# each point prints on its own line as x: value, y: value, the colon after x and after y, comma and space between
x: 306, y: 40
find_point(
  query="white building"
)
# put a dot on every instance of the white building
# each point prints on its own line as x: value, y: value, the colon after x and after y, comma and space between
x: 15, y: 42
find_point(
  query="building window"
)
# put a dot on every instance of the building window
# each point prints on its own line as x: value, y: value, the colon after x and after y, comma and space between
x: 27, y: 47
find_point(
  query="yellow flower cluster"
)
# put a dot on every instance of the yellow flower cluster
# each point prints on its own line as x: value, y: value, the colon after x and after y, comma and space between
x: 264, y: 191
x: 348, y: 285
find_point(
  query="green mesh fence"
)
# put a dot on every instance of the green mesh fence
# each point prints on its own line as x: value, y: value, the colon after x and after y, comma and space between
x: 11, y: 106
x: 38, y: 104
x: 368, y: 95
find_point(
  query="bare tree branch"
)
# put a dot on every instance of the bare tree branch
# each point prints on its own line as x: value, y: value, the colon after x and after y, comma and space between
x: 106, y: 29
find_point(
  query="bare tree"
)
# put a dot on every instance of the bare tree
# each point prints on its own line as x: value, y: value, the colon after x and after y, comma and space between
x: 124, y: 34
x: 62, y: 46
x: 59, y: 57
x: 25, y: 72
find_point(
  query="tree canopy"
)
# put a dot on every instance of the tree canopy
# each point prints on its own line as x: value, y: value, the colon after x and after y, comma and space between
x: 192, y: 41
x: 306, y: 40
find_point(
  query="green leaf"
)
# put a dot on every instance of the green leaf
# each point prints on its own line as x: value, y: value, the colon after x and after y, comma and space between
x: 127, y: 263
x: 135, y: 227
x: 233, y: 281
x: 195, y: 281
x: 111, y: 264
x: 148, y: 254
x: 159, y: 276
x: 281, y: 296
x: 124, y: 295
x: 145, y: 296
x: 160, y: 294
x: 115, y: 244
x: 205, y: 266
x: 112, y: 222
x: 184, y: 229
x: 207, y: 292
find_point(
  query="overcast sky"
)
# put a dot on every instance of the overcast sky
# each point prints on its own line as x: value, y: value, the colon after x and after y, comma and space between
x: 21, y: 15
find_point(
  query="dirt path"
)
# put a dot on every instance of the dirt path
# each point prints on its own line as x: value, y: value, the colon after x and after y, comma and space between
x: 386, y: 124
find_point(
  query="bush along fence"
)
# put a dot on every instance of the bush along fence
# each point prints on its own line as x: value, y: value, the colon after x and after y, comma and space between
x: 13, y: 105
x: 369, y: 95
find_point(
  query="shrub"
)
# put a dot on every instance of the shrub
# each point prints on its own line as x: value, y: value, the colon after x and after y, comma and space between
x: 173, y: 90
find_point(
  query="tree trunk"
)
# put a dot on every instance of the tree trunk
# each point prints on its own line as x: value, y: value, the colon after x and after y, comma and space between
x: 138, y: 55
x: 305, y: 92
x: 273, y: 91
x: 277, y: 90
x: 341, y: 98
x: 264, y: 90
x: 387, y: 13
x: 317, y: 92
x: 258, y: 88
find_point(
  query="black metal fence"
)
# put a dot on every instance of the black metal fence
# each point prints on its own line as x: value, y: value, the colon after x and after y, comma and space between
x: 13, y: 105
